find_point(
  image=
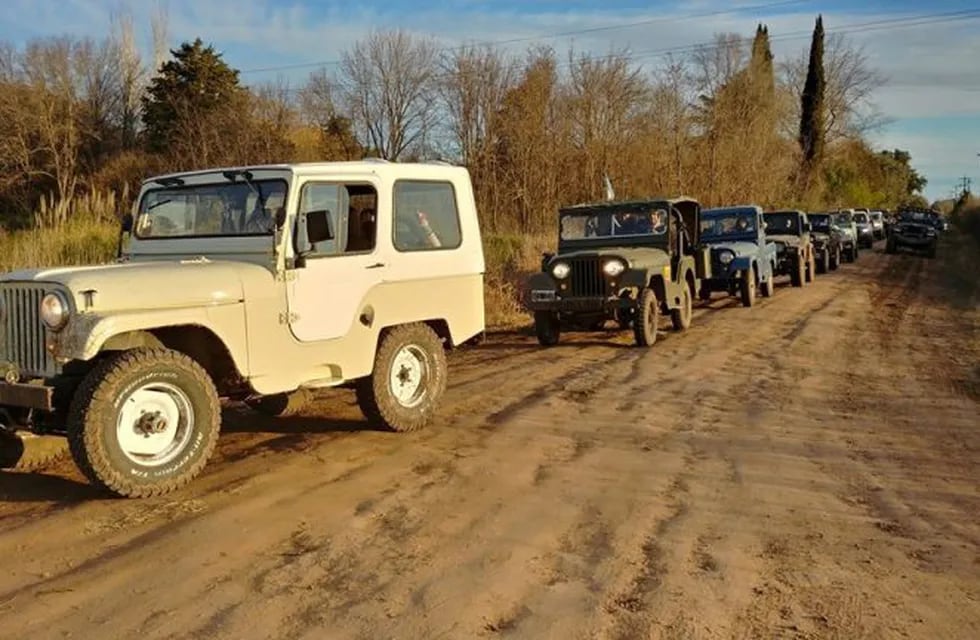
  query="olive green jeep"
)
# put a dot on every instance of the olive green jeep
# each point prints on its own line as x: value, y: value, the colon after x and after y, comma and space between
x: 627, y: 262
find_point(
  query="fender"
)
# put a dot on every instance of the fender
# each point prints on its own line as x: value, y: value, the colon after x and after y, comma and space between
x: 740, y: 263
x: 86, y: 334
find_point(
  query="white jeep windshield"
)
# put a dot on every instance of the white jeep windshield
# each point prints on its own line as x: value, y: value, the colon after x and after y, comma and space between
x: 207, y: 210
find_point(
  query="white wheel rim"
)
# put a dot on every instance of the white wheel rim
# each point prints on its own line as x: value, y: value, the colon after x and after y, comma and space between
x: 408, y: 376
x: 154, y: 424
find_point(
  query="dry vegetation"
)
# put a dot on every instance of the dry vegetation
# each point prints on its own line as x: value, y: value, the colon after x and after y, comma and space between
x: 82, y: 121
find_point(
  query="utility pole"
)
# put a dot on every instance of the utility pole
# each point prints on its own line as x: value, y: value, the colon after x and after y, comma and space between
x: 965, y: 184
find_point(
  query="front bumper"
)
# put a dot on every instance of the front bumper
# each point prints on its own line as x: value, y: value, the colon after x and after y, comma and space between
x: 545, y: 300
x: 27, y: 396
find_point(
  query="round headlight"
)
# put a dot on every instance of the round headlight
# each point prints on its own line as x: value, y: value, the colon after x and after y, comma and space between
x: 726, y: 257
x: 613, y: 268
x: 54, y: 310
x: 561, y: 270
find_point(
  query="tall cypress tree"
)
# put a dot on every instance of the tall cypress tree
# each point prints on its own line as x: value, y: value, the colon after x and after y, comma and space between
x: 812, y: 103
x: 761, y: 67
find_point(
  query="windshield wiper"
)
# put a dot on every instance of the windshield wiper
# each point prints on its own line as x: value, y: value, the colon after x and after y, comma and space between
x: 157, y: 204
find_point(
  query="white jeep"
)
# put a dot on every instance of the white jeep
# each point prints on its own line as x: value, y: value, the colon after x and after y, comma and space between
x: 254, y: 283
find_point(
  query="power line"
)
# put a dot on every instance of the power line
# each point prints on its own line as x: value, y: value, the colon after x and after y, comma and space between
x: 562, y: 34
x: 854, y: 28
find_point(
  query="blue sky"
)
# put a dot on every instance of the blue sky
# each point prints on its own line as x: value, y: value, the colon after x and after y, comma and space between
x: 932, y: 94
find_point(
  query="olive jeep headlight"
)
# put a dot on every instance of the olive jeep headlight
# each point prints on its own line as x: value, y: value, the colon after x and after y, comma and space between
x: 613, y: 268
x: 55, y: 310
x: 725, y: 257
x: 561, y: 270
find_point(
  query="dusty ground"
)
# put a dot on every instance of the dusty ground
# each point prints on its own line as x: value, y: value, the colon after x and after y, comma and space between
x: 806, y: 469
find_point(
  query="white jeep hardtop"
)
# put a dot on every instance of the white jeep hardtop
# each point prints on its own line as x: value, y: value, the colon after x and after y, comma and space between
x: 254, y: 283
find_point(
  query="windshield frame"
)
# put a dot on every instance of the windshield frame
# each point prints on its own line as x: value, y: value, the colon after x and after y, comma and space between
x: 218, y: 181
x: 655, y: 241
x: 738, y: 236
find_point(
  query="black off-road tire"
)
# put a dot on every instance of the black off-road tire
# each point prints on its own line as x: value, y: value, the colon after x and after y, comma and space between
x: 747, y: 288
x: 704, y: 294
x: 768, y: 288
x: 835, y: 260
x: 811, y: 268
x: 374, y: 394
x: 890, y: 246
x: 92, y: 418
x: 824, y: 265
x: 647, y: 319
x: 29, y: 452
x: 282, y: 405
x: 797, y: 276
x: 547, y: 327
x: 681, y: 317
x: 856, y: 253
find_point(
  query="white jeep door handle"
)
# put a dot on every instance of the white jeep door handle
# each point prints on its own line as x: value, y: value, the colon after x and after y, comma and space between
x: 376, y: 265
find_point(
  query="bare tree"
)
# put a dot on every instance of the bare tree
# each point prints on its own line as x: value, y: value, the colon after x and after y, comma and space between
x: 131, y: 76
x: 390, y: 90
x: 160, y: 27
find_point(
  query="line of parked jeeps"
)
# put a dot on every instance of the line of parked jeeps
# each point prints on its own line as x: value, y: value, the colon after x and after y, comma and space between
x: 260, y: 284
x: 631, y: 262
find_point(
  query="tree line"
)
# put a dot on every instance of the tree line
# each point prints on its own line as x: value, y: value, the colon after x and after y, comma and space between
x: 726, y: 123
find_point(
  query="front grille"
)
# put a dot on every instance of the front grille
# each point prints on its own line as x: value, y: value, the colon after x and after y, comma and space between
x: 586, y: 277
x: 23, y: 332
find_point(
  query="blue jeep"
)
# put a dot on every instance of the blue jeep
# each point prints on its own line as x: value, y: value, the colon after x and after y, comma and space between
x: 741, y: 258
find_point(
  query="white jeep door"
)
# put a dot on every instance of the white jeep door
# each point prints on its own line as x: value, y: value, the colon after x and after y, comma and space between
x: 325, y: 296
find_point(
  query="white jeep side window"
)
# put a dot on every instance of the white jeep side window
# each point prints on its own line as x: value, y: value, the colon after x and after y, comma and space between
x: 352, y: 210
x: 426, y: 216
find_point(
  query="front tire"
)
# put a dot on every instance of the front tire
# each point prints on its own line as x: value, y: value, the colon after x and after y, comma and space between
x: 824, y: 265
x: 547, y: 327
x: 681, y: 317
x: 890, y: 246
x: 647, y: 319
x: 811, y: 268
x: 835, y: 260
x: 798, y: 276
x: 408, y: 380
x: 748, y: 287
x: 144, y: 422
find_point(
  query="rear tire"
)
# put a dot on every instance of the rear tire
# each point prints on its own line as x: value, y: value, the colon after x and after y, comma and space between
x: 547, y: 328
x: 144, y: 422
x: 408, y: 380
x: 27, y: 452
x: 647, y: 319
x: 681, y: 318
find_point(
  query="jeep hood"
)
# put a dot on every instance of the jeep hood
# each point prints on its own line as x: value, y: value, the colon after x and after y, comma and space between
x: 148, y: 285
x: 789, y: 241
x: 741, y: 247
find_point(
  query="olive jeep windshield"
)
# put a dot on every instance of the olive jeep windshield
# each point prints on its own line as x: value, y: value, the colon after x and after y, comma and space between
x: 820, y: 222
x: 242, y: 207
x: 619, y: 222
x: 785, y: 224
x: 727, y: 225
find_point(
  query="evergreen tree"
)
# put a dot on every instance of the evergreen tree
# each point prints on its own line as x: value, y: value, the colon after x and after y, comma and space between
x: 761, y: 67
x: 194, y: 86
x: 812, y: 103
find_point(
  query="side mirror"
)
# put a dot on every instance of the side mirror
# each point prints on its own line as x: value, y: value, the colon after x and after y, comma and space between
x: 317, y: 225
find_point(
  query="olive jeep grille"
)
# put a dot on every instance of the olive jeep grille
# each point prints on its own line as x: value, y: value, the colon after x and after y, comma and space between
x: 23, y: 333
x: 586, y: 278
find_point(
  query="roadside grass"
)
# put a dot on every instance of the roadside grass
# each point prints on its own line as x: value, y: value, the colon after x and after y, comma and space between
x: 962, y: 267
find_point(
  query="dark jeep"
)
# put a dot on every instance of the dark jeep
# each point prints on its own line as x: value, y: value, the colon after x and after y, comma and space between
x: 826, y: 237
x: 741, y: 257
x: 790, y: 231
x: 913, y: 229
x: 622, y: 261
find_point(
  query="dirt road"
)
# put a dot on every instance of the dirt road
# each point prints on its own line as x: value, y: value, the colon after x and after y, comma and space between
x: 809, y: 468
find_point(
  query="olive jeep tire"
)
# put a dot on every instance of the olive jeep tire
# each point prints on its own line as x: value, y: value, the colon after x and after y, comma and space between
x: 106, y: 426
x: 890, y: 246
x: 747, y: 288
x: 704, y: 294
x: 282, y: 405
x: 681, y: 317
x: 798, y: 276
x: 29, y: 452
x: 823, y: 266
x: 547, y: 327
x: 408, y: 381
x: 647, y: 319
